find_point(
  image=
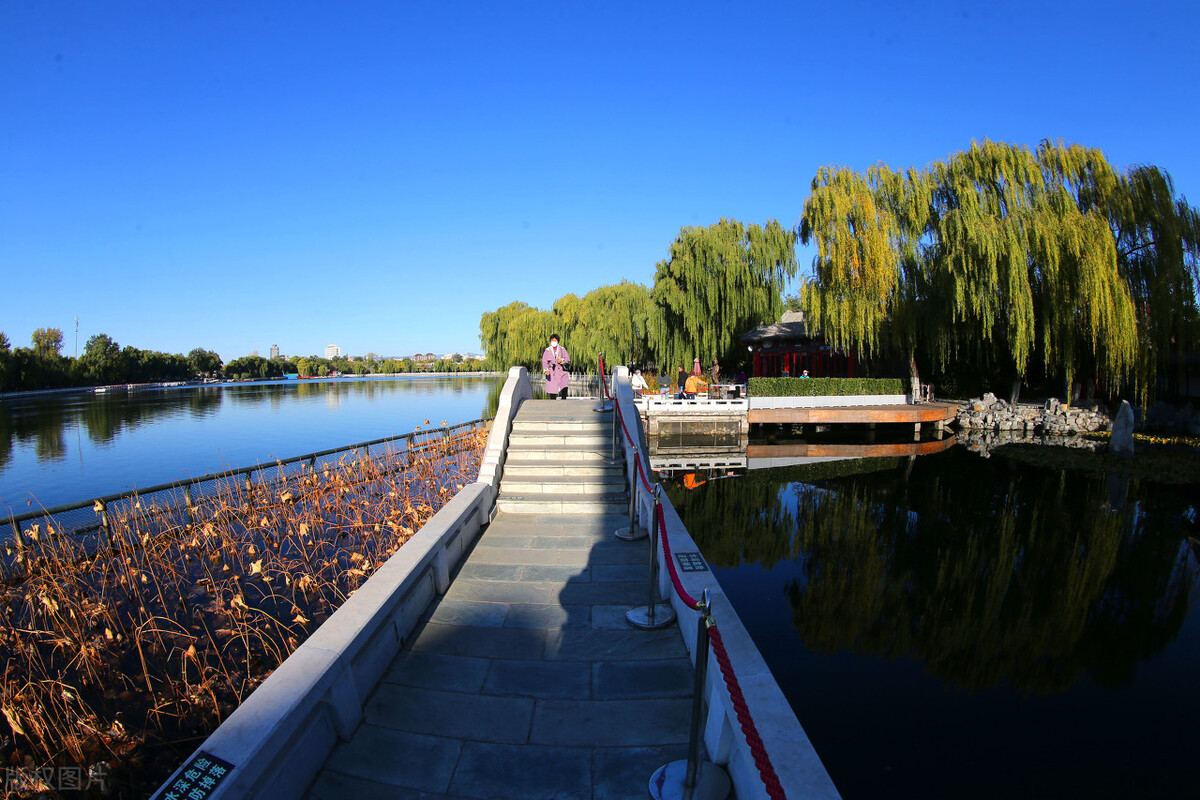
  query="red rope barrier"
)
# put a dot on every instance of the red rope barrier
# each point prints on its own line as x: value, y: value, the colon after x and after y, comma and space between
x: 688, y: 600
x: 620, y: 416
x: 761, y: 760
x: 604, y: 393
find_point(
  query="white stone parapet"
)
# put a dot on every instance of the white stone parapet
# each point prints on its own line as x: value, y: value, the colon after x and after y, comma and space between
x: 279, y: 738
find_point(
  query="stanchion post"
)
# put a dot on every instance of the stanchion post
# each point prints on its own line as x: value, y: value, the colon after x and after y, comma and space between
x: 694, y: 778
x: 616, y: 421
x: 633, y: 532
x: 653, y: 615
x: 604, y: 404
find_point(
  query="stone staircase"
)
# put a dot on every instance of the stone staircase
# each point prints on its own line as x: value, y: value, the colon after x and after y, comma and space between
x: 558, y: 461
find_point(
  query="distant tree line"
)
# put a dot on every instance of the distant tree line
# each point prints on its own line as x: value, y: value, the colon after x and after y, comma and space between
x: 104, y: 362
x: 996, y: 268
x: 716, y: 283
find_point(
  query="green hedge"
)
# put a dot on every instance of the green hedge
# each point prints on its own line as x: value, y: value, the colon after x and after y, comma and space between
x: 817, y: 387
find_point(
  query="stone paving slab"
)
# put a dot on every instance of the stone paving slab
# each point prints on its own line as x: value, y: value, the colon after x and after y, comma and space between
x: 523, y: 680
x: 612, y: 722
x: 477, y: 717
x: 529, y: 772
x: 397, y: 758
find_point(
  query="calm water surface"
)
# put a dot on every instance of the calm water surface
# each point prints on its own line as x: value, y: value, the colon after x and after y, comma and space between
x: 63, y: 448
x: 965, y: 627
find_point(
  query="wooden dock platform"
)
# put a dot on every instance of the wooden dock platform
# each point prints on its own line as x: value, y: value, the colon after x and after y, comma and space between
x: 915, y: 414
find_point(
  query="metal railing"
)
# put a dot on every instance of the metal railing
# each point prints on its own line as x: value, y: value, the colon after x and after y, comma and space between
x: 91, y: 517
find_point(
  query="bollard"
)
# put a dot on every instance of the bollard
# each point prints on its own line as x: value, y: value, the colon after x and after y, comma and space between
x: 633, y: 532
x: 694, y: 778
x: 653, y: 615
x: 604, y: 404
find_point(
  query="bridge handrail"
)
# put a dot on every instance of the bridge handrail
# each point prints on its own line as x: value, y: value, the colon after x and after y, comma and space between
x: 281, y: 735
x: 815, y: 783
x: 93, y: 522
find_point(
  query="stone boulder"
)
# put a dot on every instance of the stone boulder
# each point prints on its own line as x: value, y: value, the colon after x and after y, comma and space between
x: 1121, y: 441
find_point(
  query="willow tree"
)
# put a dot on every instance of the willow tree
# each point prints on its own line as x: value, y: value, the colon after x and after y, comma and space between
x: 718, y: 282
x: 999, y: 255
x: 493, y: 334
x: 611, y: 319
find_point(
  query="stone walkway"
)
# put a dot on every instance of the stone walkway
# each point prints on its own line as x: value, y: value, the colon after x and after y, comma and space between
x: 525, y: 681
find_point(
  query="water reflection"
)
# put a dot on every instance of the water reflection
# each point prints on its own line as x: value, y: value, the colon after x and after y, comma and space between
x: 986, y: 572
x: 69, y: 447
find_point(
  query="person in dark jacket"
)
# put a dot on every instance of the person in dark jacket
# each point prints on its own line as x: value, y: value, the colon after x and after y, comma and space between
x: 680, y: 380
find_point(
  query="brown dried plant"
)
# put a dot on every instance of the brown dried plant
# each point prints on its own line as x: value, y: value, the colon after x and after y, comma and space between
x: 127, y: 651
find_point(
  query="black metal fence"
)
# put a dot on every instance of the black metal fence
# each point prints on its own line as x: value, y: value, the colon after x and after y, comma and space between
x: 187, y: 498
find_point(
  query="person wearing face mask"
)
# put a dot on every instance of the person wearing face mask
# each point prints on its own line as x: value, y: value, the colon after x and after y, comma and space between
x: 554, y: 366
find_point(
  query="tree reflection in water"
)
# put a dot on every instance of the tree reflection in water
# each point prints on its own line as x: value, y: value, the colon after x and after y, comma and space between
x: 996, y: 573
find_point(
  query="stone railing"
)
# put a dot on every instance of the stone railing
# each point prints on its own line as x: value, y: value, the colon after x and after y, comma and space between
x: 274, y: 744
x: 800, y: 770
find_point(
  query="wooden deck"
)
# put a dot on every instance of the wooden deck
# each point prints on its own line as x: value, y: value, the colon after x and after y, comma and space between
x: 843, y: 415
x: 806, y: 450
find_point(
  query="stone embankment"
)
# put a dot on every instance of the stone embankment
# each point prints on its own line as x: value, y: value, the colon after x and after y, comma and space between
x: 990, y: 414
x: 986, y: 423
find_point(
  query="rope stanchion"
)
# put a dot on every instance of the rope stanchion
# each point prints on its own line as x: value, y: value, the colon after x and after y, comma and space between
x: 694, y: 778
x: 604, y: 396
x: 654, y: 614
x: 633, y: 532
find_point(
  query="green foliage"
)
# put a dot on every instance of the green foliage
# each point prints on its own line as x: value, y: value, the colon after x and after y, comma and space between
x: 717, y: 283
x: 101, y: 362
x: 254, y: 367
x: 47, y: 342
x: 817, y: 387
x: 204, y: 362
x: 1003, y: 256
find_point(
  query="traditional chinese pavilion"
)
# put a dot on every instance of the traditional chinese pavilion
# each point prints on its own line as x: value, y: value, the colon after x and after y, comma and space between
x: 789, y: 345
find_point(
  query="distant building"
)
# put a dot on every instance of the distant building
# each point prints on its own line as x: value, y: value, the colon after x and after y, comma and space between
x: 274, y: 351
x: 788, y: 346
x: 332, y: 351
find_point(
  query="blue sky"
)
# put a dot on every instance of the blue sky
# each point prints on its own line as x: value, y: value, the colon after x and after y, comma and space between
x: 237, y: 175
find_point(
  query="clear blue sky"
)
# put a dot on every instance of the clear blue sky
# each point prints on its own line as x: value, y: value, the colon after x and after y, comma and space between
x: 235, y: 175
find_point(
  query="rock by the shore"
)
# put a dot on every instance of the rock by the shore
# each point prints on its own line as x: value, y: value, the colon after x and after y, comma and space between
x: 1121, y: 441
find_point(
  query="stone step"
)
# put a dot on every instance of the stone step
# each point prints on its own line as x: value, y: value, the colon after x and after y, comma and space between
x: 542, y: 469
x: 562, y: 484
x: 545, y: 438
x: 562, y: 454
x: 601, y: 424
x: 563, y: 504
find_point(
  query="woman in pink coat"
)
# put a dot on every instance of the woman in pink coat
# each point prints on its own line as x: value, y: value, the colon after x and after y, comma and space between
x: 554, y: 365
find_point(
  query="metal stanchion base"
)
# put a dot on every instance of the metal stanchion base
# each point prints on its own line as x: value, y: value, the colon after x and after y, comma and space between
x: 604, y: 406
x: 640, y: 617
x: 712, y: 782
x: 630, y: 534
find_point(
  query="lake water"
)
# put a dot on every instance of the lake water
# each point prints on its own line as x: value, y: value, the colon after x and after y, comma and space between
x: 57, y: 449
x: 953, y: 626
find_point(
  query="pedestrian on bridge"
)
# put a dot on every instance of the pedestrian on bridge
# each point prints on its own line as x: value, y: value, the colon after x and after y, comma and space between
x: 554, y: 366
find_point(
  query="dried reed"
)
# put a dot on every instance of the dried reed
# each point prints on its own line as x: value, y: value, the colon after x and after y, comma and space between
x: 122, y: 654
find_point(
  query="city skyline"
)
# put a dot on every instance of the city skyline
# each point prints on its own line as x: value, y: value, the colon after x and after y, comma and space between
x: 186, y: 175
